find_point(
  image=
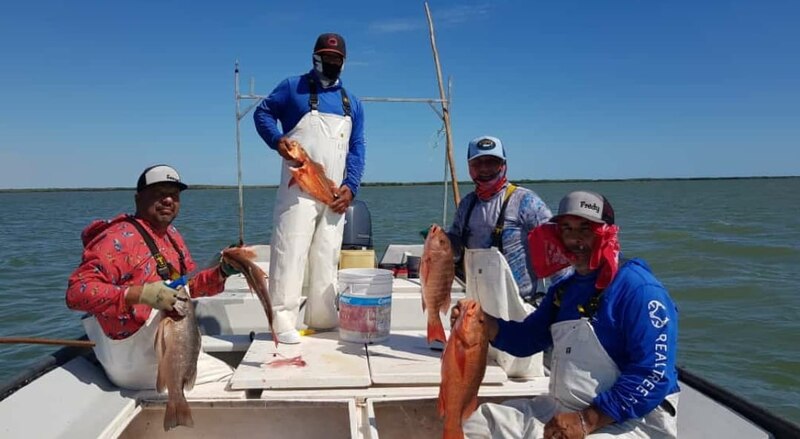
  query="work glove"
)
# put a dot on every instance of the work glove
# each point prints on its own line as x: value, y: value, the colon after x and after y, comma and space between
x: 226, y: 268
x: 158, y: 296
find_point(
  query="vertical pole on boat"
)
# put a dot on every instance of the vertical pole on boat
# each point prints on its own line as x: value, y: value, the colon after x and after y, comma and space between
x: 239, y: 153
x: 445, y: 108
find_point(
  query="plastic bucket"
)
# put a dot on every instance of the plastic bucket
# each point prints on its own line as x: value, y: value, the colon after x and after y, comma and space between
x: 365, y: 304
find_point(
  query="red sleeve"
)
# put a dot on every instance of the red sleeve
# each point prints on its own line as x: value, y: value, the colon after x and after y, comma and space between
x: 97, y: 286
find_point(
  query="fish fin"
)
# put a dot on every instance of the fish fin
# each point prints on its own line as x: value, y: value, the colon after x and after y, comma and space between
x: 461, y: 359
x: 160, y: 347
x: 292, y: 182
x: 436, y: 331
x: 424, y: 268
x: 177, y: 413
x: 442, y: 405
x: 470, y: 408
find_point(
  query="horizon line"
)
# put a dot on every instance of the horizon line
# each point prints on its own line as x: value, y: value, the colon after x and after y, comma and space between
x: 417, y: 183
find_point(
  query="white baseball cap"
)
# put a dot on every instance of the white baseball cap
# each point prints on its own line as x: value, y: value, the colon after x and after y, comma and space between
x: 159, y: 174
x: 486, y: 145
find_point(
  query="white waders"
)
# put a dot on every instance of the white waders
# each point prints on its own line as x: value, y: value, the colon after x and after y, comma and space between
x: 306, y: 232
x: 130, y: 363
x: 491, y: 282
x: 580, y: 369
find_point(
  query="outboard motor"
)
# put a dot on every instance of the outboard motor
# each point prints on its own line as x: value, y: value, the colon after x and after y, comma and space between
x: 357, y: 227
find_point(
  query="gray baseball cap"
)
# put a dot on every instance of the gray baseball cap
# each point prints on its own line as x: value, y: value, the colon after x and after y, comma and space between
x: 486, y: 145
x: 585, y: 204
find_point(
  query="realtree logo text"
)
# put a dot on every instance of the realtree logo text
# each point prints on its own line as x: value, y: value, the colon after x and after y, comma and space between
x: 592, y: 206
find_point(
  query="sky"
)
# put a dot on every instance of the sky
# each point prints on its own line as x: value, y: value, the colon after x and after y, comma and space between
x: 92, y: 92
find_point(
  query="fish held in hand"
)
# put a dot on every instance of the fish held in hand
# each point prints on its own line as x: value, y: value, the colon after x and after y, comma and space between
x: 436, y: 272
x: 177, y: 346
x: 310, y: 175
x: 243, y: 260
x: 463, y: 368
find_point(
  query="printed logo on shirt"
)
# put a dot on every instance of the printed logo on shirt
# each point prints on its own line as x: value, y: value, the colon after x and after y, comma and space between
x: 658, y: 314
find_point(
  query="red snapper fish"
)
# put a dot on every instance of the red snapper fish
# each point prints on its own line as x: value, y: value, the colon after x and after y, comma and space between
x: 463, y: 368
x: 436, y: 272
x: 310, y: 175
x: 243, y: 260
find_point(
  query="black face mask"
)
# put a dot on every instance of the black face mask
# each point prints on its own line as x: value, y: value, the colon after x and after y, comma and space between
x: 327, y: 71
x: 331, y: 71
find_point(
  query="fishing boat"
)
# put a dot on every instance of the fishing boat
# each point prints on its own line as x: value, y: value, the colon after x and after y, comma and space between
x: 385, y: 387
x: 359, y: 390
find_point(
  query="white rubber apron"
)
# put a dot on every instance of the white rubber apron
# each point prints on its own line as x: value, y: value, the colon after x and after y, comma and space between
x: 131, y: 363
x: 580, y: 369
x: 306, y: 232
x: 491, y: 282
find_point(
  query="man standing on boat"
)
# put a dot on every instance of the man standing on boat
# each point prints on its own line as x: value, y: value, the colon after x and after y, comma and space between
x: 121, y: 282
x: 498, y: 213
x: 613, y: 330
x: 315, y: 110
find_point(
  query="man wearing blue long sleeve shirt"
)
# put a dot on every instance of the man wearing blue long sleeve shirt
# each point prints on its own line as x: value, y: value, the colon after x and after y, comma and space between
x: 315, y: 110
x: 613, y: 329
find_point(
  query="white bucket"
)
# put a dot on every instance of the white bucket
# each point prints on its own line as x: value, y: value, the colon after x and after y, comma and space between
x: 365, y: 304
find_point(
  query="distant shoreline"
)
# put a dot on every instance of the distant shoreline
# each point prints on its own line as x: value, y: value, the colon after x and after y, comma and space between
x: 420, y: 183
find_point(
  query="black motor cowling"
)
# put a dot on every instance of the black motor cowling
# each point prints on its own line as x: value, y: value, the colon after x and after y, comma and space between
x: 357, y: 227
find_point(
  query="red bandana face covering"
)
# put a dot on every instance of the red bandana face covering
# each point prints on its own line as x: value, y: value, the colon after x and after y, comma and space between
x: 487, y: 189
x: 549, y: 254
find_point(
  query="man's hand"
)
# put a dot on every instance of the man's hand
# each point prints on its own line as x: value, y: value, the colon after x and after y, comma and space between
x: 342, y: 202
x: 158, y: 296
x: 565, y: 426
x: 283, y: 148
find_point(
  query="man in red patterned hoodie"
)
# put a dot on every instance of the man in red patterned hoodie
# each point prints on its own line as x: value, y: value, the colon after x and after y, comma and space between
x: 121, y: 282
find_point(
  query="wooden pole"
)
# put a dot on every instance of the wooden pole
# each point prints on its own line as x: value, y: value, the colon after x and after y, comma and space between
x: 445, y: 109
x: 53, y: 341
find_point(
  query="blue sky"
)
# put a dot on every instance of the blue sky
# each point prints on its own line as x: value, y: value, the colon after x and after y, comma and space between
x: 95, y: 91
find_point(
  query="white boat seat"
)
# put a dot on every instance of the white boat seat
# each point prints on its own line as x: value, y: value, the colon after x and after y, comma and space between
x: 226, y: 343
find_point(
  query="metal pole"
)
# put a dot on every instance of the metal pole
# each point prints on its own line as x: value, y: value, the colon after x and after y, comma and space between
x: 239, y: 155
x: 445, y: 108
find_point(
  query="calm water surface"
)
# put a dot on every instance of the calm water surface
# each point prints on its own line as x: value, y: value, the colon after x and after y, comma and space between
x: 727, y: 250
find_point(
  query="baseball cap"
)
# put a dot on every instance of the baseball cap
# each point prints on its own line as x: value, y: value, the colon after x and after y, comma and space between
x: 486, y: 145
x: 159, y: 174
x: 589, y: 205
x: 332, y: 43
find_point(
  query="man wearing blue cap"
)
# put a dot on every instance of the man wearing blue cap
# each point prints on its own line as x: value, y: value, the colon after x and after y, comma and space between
x: 315, y: 110
x: 498, y: 214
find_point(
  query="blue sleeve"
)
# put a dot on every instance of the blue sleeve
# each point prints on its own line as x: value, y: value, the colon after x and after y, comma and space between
x: 456, y: 230
x: 269, y: 112
x: 533, y: 211
x: 532, y: 335
x: 356, y: 155
x: 649, y: 320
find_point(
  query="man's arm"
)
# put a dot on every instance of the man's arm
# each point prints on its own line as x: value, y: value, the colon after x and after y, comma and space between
x: 268, y: 113
x: 648, y: 318
x: 356, y: 155
x: 92, y: 286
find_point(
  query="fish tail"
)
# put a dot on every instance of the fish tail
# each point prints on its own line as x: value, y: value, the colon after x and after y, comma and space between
x: 435, y: 328
x: 177, y: 413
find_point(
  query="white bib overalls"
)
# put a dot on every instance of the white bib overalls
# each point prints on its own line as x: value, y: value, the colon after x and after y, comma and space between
x: 306, y: 232
x: 580, y: 369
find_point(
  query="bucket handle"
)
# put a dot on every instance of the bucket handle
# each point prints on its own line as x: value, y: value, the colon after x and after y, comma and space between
x: 339, y: 293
